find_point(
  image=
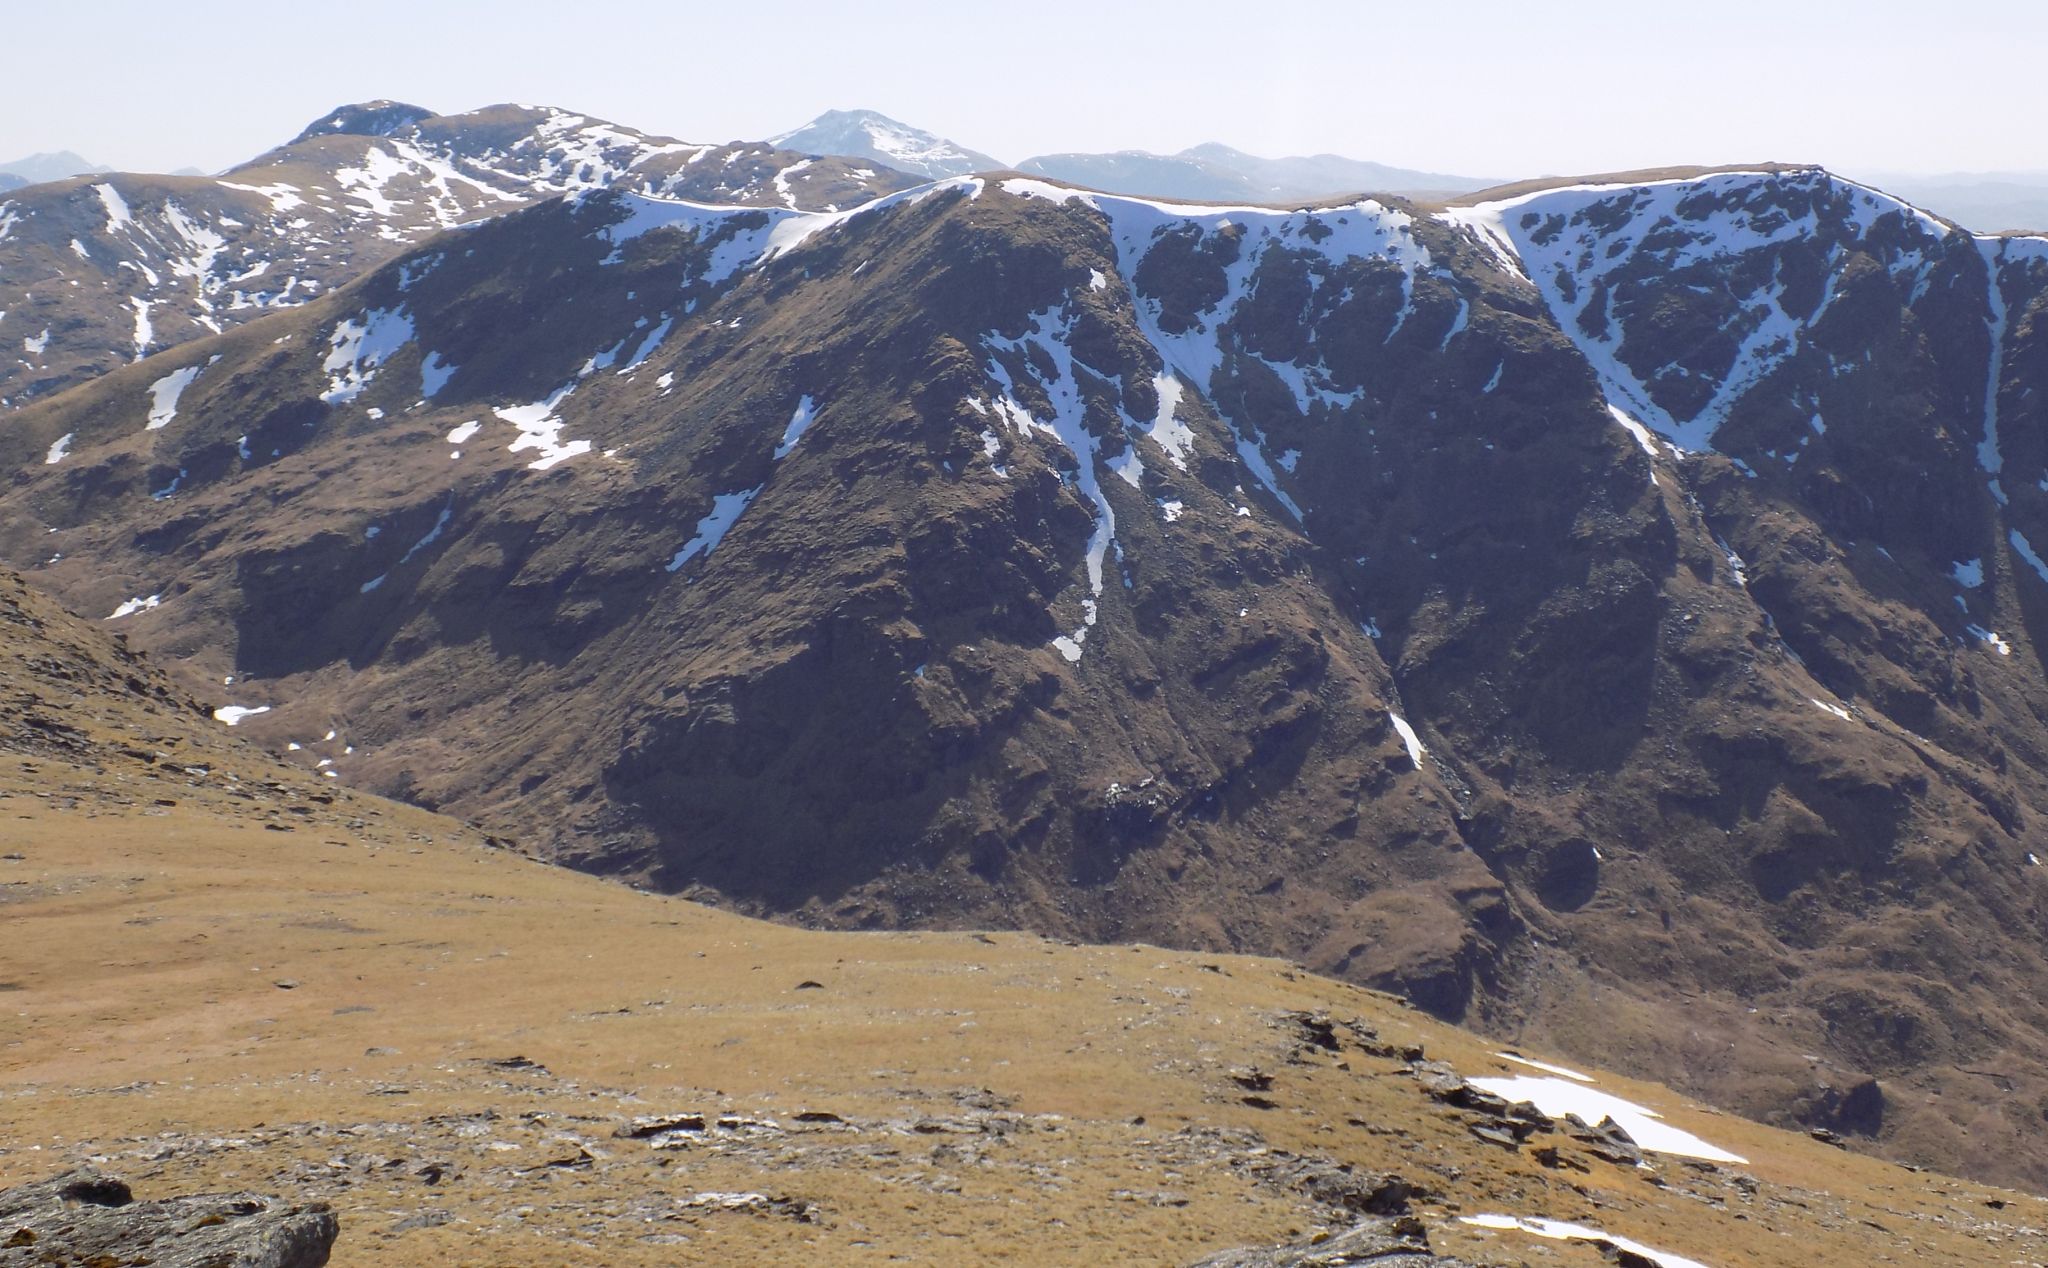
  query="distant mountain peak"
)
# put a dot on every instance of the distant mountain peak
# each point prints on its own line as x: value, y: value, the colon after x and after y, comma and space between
x: 1215, y: 172
x: 37, y: 168
x: 869, y: 134
x: 365, y: 118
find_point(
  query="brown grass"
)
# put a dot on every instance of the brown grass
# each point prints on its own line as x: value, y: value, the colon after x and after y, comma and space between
x: 199, y: 1003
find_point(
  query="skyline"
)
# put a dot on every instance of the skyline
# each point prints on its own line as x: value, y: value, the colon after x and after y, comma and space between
x: 1885, y: 94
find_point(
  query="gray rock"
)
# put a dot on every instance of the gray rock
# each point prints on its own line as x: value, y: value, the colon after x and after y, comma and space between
x: 1607, y: 1139
x: 1395, y: 1243
x: 87, y: 1217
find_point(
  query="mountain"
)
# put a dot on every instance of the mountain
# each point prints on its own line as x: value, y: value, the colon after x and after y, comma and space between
x: 1207, y: 173
x: 37, y: 168
x: 227, y: 974
x: 864, y: 134
x: 1217, y: 173
x: 9, y: 180
x: 1988, y: 202
x: 1148, y: 175
x: 96, y: 272
x: 1599, y: 612
x: 1321, y: 175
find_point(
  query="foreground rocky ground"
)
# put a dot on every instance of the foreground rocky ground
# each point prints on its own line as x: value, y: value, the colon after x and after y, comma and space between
x: 478, y: 1059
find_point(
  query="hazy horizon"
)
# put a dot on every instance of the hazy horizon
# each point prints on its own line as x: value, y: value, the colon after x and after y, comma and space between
x: 1488, y: 89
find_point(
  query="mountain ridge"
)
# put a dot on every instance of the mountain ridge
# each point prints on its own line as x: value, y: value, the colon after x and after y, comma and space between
x: 1058, y: 496
x: 99, y: 270
x: 1211, y: 172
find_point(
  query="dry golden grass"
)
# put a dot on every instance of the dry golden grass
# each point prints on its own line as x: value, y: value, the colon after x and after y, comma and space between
x: 199, y: 1002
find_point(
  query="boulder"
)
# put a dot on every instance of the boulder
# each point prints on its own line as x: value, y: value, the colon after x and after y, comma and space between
x: 86, y: 1217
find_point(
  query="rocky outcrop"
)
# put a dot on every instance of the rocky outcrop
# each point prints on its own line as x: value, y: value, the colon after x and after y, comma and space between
x: 1393, y: 1243
x: 86, y: 1218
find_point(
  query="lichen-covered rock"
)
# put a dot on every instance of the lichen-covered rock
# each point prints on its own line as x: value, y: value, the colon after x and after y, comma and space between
x: 1398, y: 1243
x: 84, y: 1217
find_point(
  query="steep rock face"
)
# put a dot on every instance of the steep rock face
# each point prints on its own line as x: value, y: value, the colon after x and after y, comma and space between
x: 99, y: 271
x: 1304, y: 581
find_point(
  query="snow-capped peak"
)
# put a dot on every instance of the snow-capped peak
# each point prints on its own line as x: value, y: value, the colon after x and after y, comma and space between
x: 867, y: 134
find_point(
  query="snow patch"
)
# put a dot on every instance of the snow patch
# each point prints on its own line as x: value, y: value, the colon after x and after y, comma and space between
x: 164, y: 394
x: 647, y: 346
x: 726, y: 509
x: 1559, y: 1230
x: 799, y: 423
x: 358, y: 347
x: 1983, y: 635
x: 1409, y: 740
x: 432, y: 535
x: 434, y: 375
x: 541, y: 430
x: 992, y: 448
x: 145, y: 332
x: 2026, y: 549
x: 1067, y: 425
x: 232, y: 714
x: 1128, y: 467
x: 1558, y: 1097
x: 1176, y: 438
x: 118, y: 216
x: 60, y: 449
x: 132, y: 606
x: 282, y: 197
x: 1545, y: 1066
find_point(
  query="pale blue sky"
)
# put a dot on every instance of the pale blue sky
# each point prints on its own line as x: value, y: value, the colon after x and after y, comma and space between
x: 1482, y: 87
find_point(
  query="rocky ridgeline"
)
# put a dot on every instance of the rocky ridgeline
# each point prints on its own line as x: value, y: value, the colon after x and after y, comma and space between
x: 98, y: 271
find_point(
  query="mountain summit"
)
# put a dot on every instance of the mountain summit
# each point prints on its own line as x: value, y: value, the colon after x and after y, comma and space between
x: 37, y: 168
x: 367, y: 118
x: 866, y: 134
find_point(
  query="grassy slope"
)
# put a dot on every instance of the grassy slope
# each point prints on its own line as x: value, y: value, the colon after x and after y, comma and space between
x: 993, y: 1087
